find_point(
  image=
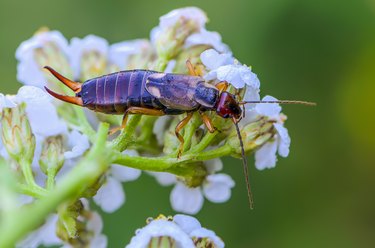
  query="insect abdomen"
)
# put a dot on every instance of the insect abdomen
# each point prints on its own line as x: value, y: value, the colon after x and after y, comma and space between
x: 114, y: 93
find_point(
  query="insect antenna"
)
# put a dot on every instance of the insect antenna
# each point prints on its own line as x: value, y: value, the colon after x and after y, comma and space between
x: 281, y: 101
x: 245, y: 168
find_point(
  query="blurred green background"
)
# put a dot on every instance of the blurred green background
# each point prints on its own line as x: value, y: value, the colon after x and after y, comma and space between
x: 322, y: 195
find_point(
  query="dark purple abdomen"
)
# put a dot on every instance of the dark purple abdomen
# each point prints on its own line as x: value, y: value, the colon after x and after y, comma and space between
x: 114, y: 93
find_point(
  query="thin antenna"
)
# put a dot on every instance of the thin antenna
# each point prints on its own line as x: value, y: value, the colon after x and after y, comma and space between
x: 281, y: 101
x: 245, y: 168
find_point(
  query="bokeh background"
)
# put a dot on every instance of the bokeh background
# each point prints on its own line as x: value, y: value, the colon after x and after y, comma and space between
x: 322, y: 195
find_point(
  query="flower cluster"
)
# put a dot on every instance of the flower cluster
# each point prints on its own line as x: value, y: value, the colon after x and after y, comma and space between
x: 179, y: 231
x: 44, y: 141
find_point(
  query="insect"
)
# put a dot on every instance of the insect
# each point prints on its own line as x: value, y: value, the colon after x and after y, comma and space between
x: 155, y: 93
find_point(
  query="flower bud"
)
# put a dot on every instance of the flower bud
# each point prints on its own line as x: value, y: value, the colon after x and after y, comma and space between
x: 254, y: 135
x: 17, y: 136
x: 174, y: 28
x: 52, y: 156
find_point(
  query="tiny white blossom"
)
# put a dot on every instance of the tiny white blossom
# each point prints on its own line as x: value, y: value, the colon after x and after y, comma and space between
x: 41, y: 112
x: 6, y: 102
x: 183, y: 230
x: 29, y: 72
x: 79, y: 47
x: 216, y: 188
x: 265, y: 157
x: 43, y: 236
x: 160, y: 228
x: 111, y: 195
x: 161, y: 124
x: 78, y: 143
x: 234, y: 73
x: 95, y: 226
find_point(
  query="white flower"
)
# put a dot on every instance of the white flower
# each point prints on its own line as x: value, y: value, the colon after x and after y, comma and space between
x: 119, y: 53
x: 6, y: 102
x: 205, y: 37
x: 78, y: 143
x: 182, y: 231
x: 265, y: 157
x: 29, y: 71
x: 216, y: 188
x: 159, y: 128
x: 79, y: 47
x: 95, y: 226
x: 111, y: 195
x: 40, y: 111
x: 161, y: 228
x: 224, y: 68
x: 44, y: 236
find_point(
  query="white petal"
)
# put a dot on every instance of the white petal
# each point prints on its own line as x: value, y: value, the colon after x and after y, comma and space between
x: 213, y: 60
x: 124, y: 173
x: 217, y: 189
x: 110, y: 196
x: 41, y: 112
x: 44, y: 236
x: 78, y: 47
x: 238, y: 75
x: 186, y: 223
x: 205, y: 233
x: 265, y: 157
x: 251, y: 94
x: 186, y: 200
x: 213, y: 165
x: 49, y: 231
x: 160, y: 126
x: 95, y: 223
x: 6, y: 102
x: 170, y: 66
x: 78, y: 143
x: 284, y: 140
x: 99, y: 241
x: 205, y: 37
x: 119, y: 53
x: 163, y: 178
x: 272, y: 110
x: 160, y: 228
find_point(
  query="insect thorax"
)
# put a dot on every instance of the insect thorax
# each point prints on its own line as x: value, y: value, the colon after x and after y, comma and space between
x: 206, y: 95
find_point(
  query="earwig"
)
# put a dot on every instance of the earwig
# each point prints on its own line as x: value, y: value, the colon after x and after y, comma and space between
x: 155, y: 93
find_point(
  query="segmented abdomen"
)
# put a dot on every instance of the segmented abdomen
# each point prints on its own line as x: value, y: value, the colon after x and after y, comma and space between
x: 114, y: 93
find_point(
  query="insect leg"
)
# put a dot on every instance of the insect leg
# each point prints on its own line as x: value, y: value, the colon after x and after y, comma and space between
x: 222, y: 86
x: 178, y: 128
x: 191, y: 69
x: 207, y: 122
x: 135, y: 110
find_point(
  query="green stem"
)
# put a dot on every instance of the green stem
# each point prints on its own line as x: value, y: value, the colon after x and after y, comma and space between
x: 171, y: 164
x: 86, y: 128
x: 71, y: 186
x: 28, y: 174
x: 206, y: 140
x: 121, y: 142
x: 31, y: 191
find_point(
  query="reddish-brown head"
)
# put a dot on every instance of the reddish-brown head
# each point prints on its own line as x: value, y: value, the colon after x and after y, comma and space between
x: 228, y: 107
